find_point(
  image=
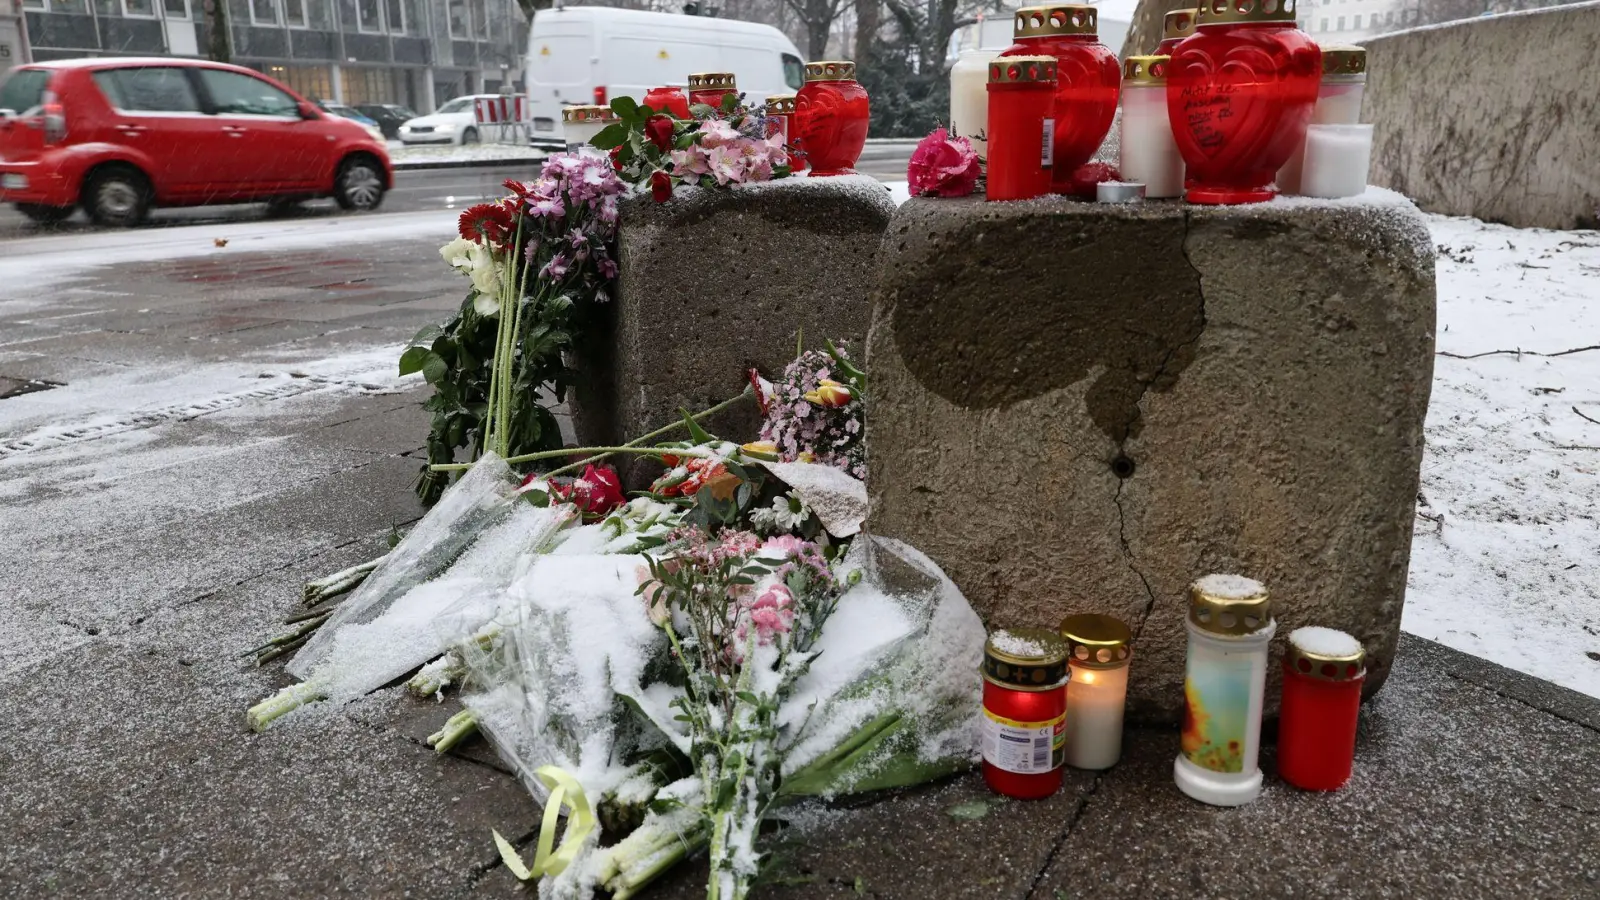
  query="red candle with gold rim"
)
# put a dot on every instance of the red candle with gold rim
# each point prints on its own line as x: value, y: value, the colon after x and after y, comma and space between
x: 1024, y: 712
x: 669, y: 100
x: 1021, y: 100
x: 1323, y: 671
x: 711, y: 87
x: 1177, y: 25
x: 831, y: 117
x: 1088, y: 77
x: 1240, y: 91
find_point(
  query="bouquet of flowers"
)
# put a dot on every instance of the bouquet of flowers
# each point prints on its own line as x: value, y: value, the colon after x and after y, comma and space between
x: 728, y: 145
x: 680, y: 666
x: 539, y: 260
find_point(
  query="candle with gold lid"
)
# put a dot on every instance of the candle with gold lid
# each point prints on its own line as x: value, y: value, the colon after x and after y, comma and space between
x: 831, y: 117
x: 1230, y: 628
x: 1021, y: 126
x: 1344, y: 82
x: 1323, y: 670
x: 1149, y: 154
x: 1176, y: 26
x: 1024, y: 712
x: 1099, y: 649
x: 710, y: 88
x: 579, y: 125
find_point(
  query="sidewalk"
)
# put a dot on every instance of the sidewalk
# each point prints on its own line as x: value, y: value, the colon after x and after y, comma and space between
x: 140, y: 564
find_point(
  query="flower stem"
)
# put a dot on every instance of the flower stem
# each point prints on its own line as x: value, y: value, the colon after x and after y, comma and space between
x: 603, y: 452
x: 263, y: 714
x: 340, y: 582
x: 456, y: 729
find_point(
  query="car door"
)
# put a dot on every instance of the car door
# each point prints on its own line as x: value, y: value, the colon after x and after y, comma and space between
x: 273, y: 147
x: 157, y: 115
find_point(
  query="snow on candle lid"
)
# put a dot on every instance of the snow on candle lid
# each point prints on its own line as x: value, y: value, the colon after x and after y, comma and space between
x: 1025, y: 658
x: 1326, y: 654
x: 1229, y: 605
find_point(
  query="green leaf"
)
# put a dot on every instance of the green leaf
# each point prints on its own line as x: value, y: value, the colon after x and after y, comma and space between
x: 625, y: 107
x: 702, y: 110
x: 696, y: 433
x: 610, y: 136
x: 411, y: 360
x: 434, y: 368
x: 969, y: 811
x: 730, y: 102
x: 426, y: 334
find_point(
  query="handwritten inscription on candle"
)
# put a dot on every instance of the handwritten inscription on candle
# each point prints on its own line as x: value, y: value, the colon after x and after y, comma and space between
x: 1206, y: 107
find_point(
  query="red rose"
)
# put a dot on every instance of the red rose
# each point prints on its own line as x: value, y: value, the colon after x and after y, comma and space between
x: 943, y: 166
x: 616, y: 157
x: 596, y: 494
x: 1085, y: 177
x: 661, y: 186
x: 658, y: 131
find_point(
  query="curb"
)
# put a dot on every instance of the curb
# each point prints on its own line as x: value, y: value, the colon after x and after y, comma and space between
x: 466, y: 164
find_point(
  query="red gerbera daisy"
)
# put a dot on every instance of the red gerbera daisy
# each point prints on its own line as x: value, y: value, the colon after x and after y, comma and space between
x: 486, y: 222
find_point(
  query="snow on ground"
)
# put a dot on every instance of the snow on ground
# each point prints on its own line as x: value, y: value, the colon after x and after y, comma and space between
x: 1506, y: 559
x: 424, y: 153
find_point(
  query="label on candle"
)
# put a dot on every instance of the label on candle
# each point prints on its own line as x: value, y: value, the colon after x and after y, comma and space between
x: 1026, y: 748
x: 1047, y: 146
x: 1216, y: 712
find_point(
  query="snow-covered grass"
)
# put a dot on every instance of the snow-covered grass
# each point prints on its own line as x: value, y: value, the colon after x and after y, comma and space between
x: 1506, y: 560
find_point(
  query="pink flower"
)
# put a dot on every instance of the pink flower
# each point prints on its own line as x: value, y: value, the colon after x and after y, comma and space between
x: 783, y: 545
x: 690, y: 163
x: 717, y: 132
x: 726, y: 164
x: 943, y: 166
x: 771, y: 614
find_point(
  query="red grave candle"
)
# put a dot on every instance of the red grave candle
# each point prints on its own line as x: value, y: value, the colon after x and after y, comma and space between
x: 831, y: 117
x: 1177, y: 25
x: 711, y: 87
x: 1088, y: 77
x: 1024, y: 712
x: 669, y: 100
x: 1021, y: 97
x: 1323, y: 671
x: 1240, y: 91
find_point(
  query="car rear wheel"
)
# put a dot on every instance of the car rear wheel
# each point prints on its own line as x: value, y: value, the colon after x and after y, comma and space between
x: 45, y: 215
x: 359, y: 184
x: 470, y: 136
x: 118, y: 196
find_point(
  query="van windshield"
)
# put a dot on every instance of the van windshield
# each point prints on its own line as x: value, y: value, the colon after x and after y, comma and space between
x: 23, y: 89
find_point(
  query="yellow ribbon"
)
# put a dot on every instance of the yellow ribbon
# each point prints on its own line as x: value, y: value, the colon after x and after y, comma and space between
x: 548, y: 860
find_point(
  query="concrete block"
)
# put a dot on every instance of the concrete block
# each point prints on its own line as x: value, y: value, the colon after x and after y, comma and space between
x: 1491, y: 117
x: 1081, y: 408
x: 716, y: 282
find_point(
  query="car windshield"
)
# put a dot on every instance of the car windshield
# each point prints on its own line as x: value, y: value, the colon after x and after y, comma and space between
x: 460, y: 104
x: 22, y: 90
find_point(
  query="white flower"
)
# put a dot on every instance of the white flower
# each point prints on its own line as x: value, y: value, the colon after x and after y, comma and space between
x: 474, y: 259
x: 786, y: 514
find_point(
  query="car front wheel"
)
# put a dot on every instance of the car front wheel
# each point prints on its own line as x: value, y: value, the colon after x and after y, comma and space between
x: 470, y: 136
x: 118, y: 196
x: 45, y: 215
x: 359, y: 184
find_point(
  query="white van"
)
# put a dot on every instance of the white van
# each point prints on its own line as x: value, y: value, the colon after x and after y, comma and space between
x: 591, y: 54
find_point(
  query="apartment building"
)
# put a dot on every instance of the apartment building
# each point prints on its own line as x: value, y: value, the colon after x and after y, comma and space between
x: 418, y: 53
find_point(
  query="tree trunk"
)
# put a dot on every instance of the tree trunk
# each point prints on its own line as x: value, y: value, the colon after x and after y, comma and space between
x: 869, y: 13
x: 817, y: 37
x: 1145, y: 31
x: 216, y: 13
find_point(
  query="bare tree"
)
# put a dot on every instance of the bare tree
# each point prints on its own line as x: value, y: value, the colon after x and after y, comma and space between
x: 1148, y: 20
x: 869, y: 15
x: 817, y: 17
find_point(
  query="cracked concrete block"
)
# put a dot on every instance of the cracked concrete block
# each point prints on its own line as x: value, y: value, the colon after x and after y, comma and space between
x: 1081, y: 408
x: 716, y: 282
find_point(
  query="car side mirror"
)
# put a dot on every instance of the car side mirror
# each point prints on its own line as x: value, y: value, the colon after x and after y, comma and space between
x: 308, y: 110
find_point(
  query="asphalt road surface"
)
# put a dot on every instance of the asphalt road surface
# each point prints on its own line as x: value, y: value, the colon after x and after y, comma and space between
x: 414, y: 191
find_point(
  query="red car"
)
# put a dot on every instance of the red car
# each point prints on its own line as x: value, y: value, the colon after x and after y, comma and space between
x: 119, y: 136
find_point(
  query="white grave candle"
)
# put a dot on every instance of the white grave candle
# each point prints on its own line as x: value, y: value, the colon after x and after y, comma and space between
x: 1344, y: 82
x: 1337, y: 157
x: 1149, y: 153
x: 969, y: 97
x: 1098, y: 656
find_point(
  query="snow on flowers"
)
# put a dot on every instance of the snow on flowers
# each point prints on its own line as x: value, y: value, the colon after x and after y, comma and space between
x: 943, y: 166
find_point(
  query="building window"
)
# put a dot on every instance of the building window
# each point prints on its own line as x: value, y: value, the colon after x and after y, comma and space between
x: 369, y: 15
x: 175, y: 9
x: 264, y: 12
x: 460, y: 23
x: 294, y: 13
x: 1341, y: 23
x: 1357, y: 25
x: 397, y: 16
x: 34, y: 4
x: 139, y: 9
x: 1322, y: 25
x: 480, y: 19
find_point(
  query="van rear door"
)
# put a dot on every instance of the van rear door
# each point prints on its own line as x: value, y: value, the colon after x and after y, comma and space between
x: 561, y: 68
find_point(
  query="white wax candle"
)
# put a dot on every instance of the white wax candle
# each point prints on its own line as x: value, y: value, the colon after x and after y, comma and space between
x: 1149, y: 153
x: 1337, y: 157
x: 578, y: 134
x: 969, y: 97
x: 1095, y: 700
x: 1338, y: 103
x: 1226, y: 679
